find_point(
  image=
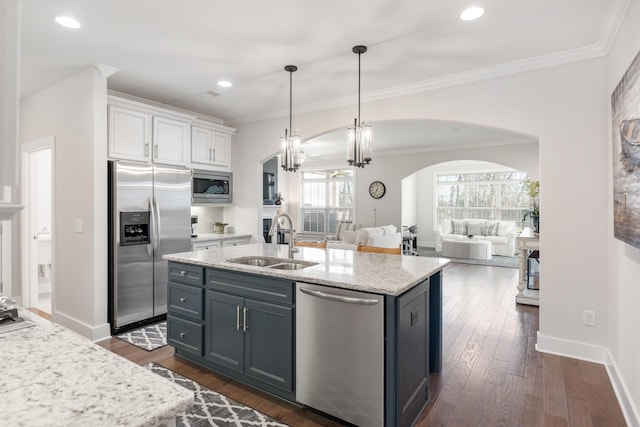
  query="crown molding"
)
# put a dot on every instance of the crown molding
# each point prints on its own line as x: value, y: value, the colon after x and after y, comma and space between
x: 522, y: 65
x: 612, y: 23
x: 106, y: 70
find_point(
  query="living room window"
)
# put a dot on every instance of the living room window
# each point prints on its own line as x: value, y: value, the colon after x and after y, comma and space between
x: 327, y: 197
x: 499, y: 196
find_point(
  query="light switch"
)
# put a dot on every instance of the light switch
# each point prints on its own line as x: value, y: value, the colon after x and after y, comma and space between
x: 77, y: 225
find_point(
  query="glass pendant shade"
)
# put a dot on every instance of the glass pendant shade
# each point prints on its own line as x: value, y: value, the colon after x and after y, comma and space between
x: 360, y: 135
x: 290, y: 155
x: 359, y: 145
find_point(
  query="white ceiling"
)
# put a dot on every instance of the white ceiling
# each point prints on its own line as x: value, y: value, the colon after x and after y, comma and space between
x: 172, y: 51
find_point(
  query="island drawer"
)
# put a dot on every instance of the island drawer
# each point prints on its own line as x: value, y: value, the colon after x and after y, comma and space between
x: 251, y: 285
x: 184, y: 273
x: 185, y: 300
x: 184, y: 334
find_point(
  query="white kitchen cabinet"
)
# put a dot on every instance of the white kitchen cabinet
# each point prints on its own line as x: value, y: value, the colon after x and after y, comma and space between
x: 170, y: 141
x: 211, y: 147
x: 201, y: 246
x: 148, y: 133
x: 129, y: 134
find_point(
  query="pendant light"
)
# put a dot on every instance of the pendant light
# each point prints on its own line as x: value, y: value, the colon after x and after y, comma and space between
x: 359, y: 143
x: 291, y: 154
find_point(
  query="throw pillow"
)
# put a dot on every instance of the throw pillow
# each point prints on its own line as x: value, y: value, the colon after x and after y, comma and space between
x: 362, y: 236
x: 489, y: 228
x: 446, y: 226
x: 505, y: 227
x: 459, y: 226
x: 474, y: 229
x: 389, y: 229
x: 339, y: 231
x: 348, y: 236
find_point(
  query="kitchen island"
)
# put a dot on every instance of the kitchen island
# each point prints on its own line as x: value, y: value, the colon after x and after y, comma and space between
x: 250, y: 313
x: 52, y: 376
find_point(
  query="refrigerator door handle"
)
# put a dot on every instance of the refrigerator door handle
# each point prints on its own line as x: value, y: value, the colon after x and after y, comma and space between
x: 155, y: 218
x: 158, y: 225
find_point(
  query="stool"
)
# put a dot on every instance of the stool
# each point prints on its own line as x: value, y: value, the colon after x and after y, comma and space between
x: 409, y: 240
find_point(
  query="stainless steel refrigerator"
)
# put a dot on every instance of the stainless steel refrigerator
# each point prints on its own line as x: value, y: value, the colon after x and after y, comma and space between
x: 149, y: 216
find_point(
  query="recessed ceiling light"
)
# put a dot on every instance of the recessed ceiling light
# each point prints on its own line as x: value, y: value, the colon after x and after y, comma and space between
x: 224, y: 83
x: 67, y: 21
x: 471, y: 13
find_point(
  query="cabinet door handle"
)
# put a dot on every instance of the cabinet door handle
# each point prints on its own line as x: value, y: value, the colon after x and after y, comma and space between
x: 213, y: 155
x: 183, y: 273
x: 210, y: 155
x: 245, y: 324
x: 155, y: 151
x: 183, y: 334
x: 237, y: 317
x: 146, y: 149
x: 183, y: 299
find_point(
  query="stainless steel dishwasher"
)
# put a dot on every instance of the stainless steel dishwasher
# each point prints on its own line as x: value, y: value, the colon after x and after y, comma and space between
x: 340, y: 353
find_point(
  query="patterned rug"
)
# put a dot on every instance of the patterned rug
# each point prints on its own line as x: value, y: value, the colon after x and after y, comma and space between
x: 148, y: 337
x: 211, y: 408
x: 495, y: 261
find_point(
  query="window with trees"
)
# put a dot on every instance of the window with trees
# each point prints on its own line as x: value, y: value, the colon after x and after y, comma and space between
x: 487, y: 195
x: 327, y: 196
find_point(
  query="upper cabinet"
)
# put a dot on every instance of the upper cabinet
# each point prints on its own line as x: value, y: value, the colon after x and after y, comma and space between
x: 170, y: 141
x: 152, y: 134
x: 210, y: 146
x: 129, y: 134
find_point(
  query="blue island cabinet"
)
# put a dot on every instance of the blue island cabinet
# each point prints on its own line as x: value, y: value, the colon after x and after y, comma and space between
x: 241, y: 325
x: 245, y: 331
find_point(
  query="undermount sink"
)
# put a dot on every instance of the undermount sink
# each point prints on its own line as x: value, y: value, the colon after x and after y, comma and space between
x: 276, y: 263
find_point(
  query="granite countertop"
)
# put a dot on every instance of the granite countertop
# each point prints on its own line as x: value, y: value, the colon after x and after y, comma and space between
x: 53, y: 376
x: 362, y: 271
x: 205, y: 237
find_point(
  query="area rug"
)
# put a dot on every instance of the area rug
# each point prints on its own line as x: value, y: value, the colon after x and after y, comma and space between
x: 495, y: 261
x: 211, y: 408
x: 148, y: 337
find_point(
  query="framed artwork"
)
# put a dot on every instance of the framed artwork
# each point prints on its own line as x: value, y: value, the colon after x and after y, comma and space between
x: 625, y: 112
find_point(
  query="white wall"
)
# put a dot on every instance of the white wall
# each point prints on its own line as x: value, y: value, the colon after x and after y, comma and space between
x: 74, y: 111
x: 624, y: 260
x: 566, y: 108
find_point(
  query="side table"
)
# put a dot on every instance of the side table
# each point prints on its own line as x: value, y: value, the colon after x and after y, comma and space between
x: 526, y: 241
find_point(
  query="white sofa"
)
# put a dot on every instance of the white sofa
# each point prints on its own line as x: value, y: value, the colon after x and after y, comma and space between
x: 349, y: 236
x: 501, y: 234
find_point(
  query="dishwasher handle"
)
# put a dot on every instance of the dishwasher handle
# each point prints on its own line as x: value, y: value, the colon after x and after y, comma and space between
x: 339, y: 298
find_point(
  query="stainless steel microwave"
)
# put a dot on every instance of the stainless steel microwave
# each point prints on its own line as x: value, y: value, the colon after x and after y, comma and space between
x: 211, y: 187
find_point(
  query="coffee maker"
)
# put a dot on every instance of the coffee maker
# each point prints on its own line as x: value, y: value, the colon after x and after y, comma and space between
x: 194, y: 225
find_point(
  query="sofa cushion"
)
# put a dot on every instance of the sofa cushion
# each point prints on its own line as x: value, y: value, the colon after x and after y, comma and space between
x: 446, y: 226
x: 474, y: 229
x: 459, y: 226
x: 388, y: 229
x: 349, y: 236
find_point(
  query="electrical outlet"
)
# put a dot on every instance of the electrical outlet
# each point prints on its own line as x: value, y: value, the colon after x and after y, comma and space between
x: 589, y: 317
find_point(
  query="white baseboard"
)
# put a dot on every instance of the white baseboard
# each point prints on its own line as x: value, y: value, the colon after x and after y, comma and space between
x: 597, y: 354
x: 629, y: 409
x: 94, y: 333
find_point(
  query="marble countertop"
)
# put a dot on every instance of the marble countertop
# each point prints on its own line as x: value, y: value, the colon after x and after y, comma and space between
x: 52, y: 376
x: 205, y: 237
x: 362, y: 271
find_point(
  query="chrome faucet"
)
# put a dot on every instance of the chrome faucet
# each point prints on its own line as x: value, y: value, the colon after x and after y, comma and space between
x: 292, y: 232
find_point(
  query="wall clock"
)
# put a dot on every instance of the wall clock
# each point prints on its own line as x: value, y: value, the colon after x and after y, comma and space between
x: 377, y: 189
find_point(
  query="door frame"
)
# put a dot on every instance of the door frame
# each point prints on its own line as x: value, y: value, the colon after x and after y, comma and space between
x: 28, y: 268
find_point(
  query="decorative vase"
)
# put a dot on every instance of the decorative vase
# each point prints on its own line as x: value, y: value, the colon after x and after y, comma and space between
x: 536, y: 223
x: 218, y: 228
x: 278, y: 202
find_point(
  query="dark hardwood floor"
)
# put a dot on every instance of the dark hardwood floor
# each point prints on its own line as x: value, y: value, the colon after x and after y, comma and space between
x: 492, y: 375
